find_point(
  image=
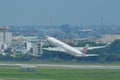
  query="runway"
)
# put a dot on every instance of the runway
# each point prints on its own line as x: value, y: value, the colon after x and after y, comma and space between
x: 64, y: 66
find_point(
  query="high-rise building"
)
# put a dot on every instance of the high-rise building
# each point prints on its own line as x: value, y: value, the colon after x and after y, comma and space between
x: 8, y: 37
x: 5, y: 34
x: 5, y: 38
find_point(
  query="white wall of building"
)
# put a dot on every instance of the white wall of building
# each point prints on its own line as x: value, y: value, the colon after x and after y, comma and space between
x: 8, y: 37
x: 28, y: 46
x: 110, y: 38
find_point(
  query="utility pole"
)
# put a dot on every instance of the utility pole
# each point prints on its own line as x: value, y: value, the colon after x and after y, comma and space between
x: 4, y: 34
x: 51, y: 22
x: 102, y: 22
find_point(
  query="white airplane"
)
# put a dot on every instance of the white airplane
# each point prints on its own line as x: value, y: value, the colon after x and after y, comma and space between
x: 74, y: 51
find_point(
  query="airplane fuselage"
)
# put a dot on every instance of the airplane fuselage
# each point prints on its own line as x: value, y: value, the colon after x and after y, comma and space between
x: 63, y: 46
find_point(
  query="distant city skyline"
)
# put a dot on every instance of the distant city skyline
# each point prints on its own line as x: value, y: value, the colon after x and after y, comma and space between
x: 58, y: 12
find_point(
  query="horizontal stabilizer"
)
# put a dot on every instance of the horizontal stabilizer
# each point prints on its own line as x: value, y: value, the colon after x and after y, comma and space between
x: 92, y: 55
x: 87, y: 55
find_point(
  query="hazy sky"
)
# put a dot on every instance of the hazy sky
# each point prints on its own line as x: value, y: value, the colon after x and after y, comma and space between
x: 73, y: 12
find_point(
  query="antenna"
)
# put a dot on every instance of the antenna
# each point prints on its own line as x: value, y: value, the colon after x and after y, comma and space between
x: 102, y: 22
x: 51, y: 22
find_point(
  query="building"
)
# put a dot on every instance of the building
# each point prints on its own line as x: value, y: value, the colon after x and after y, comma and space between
x: 8, y: 37
x: 109, y: 38
x: 5, y: 38
x: 26, y: 45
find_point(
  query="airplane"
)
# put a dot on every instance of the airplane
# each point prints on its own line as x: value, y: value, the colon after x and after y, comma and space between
x: 74, y: 51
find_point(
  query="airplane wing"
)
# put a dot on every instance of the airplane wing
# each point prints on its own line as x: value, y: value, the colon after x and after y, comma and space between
x: 61, y: 50
x: 54, y: 49
x: 89, y: 48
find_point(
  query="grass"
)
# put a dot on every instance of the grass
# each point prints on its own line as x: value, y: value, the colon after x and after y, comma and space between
x: 14, y: 73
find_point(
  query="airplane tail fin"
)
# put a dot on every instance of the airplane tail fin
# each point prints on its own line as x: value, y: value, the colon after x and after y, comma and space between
x: 85, y: 49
